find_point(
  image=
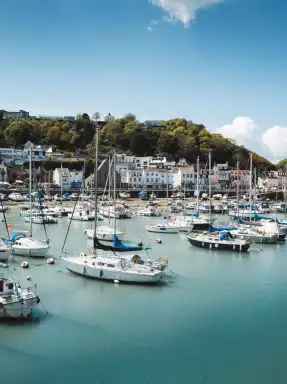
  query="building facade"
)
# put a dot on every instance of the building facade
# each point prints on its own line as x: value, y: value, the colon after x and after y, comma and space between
x: 16, y: 115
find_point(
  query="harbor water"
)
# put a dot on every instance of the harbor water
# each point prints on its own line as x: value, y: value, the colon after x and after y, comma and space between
x: 221, y: 317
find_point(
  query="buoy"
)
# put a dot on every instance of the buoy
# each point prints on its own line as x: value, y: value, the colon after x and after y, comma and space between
x: 116, y: 281
x: 50, y: 261
x: 166, y: 260
x: 216, y: 245
x: 158, y: 241
x: 25, y: 264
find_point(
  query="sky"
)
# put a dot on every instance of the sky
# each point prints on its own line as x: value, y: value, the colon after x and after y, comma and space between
x: 221, y: 63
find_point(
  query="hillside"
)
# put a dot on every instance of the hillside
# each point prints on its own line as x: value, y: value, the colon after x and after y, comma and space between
x: 176, y: 139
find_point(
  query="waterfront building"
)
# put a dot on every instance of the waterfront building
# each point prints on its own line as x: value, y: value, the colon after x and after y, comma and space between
x: 12, y: 156
x: 221, y: 173
x: 150, y: 178
x: 243, y: 176
x: 184, y: 177
x: 15, y: 115
x: 61, y: 176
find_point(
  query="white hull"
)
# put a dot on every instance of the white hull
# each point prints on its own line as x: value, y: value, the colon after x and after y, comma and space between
x: 30, y: 252
x: 5, y: 252
x: 106, y: 234
x: 162, y: 229
x: 79, y: 267
x: 18, y: 308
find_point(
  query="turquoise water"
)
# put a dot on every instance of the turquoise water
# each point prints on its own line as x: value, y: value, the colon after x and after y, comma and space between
x: 221, y: 319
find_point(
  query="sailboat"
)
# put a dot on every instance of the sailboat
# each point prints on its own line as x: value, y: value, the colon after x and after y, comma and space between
x: 108, y: 264
x: 22, y: 243
x: 221, y: 240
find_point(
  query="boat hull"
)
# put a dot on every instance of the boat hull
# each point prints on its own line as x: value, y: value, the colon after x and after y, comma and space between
x: 218, y: 246
x: 109, y: 275
x: 29, y: 252
x: 4, y: 254
x: 18, y: 308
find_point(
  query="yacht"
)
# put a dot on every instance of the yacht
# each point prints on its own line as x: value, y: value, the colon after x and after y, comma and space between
x: 24, y: 245
x: 16, y: 302
x: 42, y: 220
x: 163, y: 228
x: 105, y: 233
x: 220, y: 241
x: 82, y: 215
x: 130, y: 268
x: 17, y: 197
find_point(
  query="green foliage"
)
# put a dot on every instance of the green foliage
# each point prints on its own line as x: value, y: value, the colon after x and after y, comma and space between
x: 178, y: 138
x: 282, y: 164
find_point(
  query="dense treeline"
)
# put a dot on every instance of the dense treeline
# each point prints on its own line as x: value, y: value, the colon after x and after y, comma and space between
x: 178, y: 138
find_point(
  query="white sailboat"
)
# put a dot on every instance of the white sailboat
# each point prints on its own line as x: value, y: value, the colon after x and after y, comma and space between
x: 22, y: 243
x: 16, y: 302
x: 107, y: 264
x: 5, y: 251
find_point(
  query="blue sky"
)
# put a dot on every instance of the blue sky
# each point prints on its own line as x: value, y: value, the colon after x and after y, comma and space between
x: 225, y: 69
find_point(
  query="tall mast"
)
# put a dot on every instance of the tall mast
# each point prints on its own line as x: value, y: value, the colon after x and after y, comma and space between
x: 115, y: 193
x: 30, y: 185
x: 197, y: 184
x: 209, y: 166
x: 61, y: 183
x: 250, y: 186
x: 237, y: 188
x: 97, y: 116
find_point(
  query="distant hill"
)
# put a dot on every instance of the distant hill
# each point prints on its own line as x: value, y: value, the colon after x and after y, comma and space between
x: 176, y: 138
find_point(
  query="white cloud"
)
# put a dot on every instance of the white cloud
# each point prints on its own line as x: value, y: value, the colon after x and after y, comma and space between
x: 271, y: 143
x: 183, y: 10
x: 275, y: 139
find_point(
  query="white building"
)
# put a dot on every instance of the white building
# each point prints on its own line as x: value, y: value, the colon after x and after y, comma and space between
x: 61, y: 176
x: 156, y: 178
x: 76, y: 178
x: 12, y: 156
x: 150, y: 178
x: 185, y: 176
x: 161, y: 162
x: 38, y: 153
x: 221, y: 173
x: 243, y: 176
x: 142, y: 162
x: 125, y: 162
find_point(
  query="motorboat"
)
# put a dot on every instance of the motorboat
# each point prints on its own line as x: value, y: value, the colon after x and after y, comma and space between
x: 42, y: 220
x: 16, y: 302
x: 127, y: 268
x: 168, y: 228
x: 149, y: 212
x: 62, y: 211
x: 124, y: 195
x: 118, y: 212
x: 221, y: 241
x: 17, y: 197
x: 105, y: 233
x: 24, y: 245
x: 82, y: 215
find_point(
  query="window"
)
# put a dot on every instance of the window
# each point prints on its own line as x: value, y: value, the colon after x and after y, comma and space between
x: 135, y: 179
x: 147, y: 180
x: 147, y: 173
x: 139, y: 179
x: 100, y: 263
x: 111, y: 265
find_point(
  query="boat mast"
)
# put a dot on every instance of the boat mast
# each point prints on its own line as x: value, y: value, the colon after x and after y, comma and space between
x: 61, y: 183
x: 250, y: 187
x: 96, y: 174
x: 197, y: 184
x: 209, y: 160
x: 237, y: 188
x: 30, y: 186
x: 115, y: 193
